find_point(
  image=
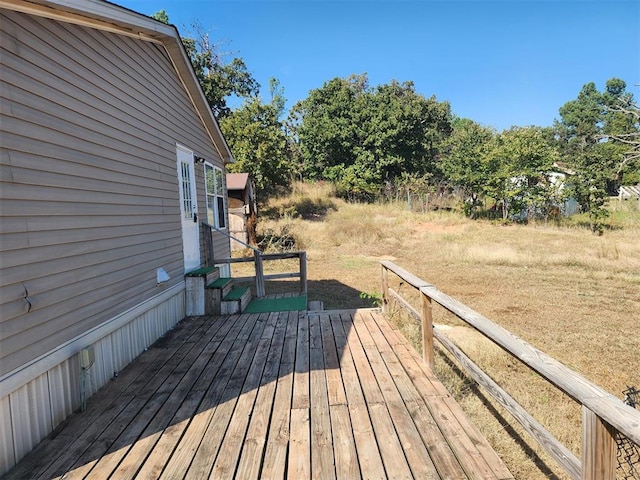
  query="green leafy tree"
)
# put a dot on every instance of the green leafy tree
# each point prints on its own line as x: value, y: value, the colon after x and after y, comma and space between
x: 360, y: 137
x: 523, y: 159
x: 468, y: 162
x: 324, y: 127
x: 278, y: 100
x: 259, y: 144
x: 161, y: 16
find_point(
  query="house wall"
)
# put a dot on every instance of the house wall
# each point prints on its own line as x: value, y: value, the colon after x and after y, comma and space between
x: 89, y: 210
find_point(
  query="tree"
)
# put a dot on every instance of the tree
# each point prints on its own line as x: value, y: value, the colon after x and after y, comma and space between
x: 259, y: 144
x: 218, y: 78
x: 621, y: 129
x: 360, y: 137
x: 467, y: 161
x: 523, y: 159
x: 324, y: 126
x: 592, y: 132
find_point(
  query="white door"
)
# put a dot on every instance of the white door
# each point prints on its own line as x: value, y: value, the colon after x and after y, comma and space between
x: 188, y: 209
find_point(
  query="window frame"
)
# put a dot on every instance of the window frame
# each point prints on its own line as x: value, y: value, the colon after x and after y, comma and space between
x: 216, y: 200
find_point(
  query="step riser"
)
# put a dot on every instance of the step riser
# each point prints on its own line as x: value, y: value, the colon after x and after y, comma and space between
x: 214, y: 296
x: 229, y: 307
x: 227, y: 289
x: 213, y: 276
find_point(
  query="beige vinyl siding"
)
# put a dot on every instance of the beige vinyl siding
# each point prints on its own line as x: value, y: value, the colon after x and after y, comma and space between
x: 89, y: 195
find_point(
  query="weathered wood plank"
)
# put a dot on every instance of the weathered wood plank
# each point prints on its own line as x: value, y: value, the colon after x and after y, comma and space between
x: 301, y: 374
x: 67, y: 438
x: 624, y: 418
x: 395, y: 463
x: 367, y: 378
x: 489, y: 456
x: 344, y: 446
x: 389, y: 444
x: 418, y: 372
x: 159, y: 455
x: 547, y: 441
x: 322, y: 460
x: 225, y: 408
x: 299, y: 465
x: 404, y: 274
x: 404, y: 365
x: 599, y: 448
x: 443, y: 457
x: 275, y: 457
x: 129, y: 461
x: 471, y: 460
x: 335, y: 387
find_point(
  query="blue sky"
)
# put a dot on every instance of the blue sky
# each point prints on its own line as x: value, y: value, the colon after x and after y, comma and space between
x: 500, y: 63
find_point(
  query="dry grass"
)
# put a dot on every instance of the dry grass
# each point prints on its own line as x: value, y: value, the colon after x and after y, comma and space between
x: 569, y: 293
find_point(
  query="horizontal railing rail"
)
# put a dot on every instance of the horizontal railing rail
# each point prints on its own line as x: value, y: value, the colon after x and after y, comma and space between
x: 604, y: 417
x: 260, y: 277
x: 258, y: 259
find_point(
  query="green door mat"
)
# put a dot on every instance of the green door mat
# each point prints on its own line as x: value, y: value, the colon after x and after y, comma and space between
x: 277, y: 305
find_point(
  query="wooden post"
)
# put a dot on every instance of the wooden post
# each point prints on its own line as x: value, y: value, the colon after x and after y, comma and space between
x: 260, y: 291
x: 599, y: 459
x: 208, y: 242
x: 385, y: 289
x: 303, y: 272
x: 427, y: 330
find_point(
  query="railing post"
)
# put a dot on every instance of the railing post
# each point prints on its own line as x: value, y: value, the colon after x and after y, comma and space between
x: 385, y: 289
x: 427, y: 330
x: 208, y: 242
x: 260, y: 291
x: 599, y: 460
x: 303, y: 272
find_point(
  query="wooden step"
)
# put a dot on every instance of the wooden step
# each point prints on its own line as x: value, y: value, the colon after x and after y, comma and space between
x: 209, y: 274
x: 195, y: 282
x: 224, y: 284
x: 236, y: 301
x: 215, y: 292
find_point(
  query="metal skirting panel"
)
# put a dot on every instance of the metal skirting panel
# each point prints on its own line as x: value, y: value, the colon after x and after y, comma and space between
x: 66, y: 394
x: 32, y: 411
x: 7, y: 453
x: 30, y: 415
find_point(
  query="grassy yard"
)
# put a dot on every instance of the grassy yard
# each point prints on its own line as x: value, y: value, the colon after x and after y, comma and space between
x: 569, y: 293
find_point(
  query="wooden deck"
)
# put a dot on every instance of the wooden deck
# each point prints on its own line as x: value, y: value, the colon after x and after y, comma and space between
x: 274, y: 395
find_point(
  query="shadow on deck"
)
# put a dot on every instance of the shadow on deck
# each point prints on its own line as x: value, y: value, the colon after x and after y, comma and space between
x: 336, y: 394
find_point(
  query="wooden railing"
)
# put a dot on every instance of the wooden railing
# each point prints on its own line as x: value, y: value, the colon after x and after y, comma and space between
x: 258, y: 260
x: 604, y: 417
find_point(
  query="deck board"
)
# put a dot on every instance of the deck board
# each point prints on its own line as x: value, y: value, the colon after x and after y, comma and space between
x: 271, y: 395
